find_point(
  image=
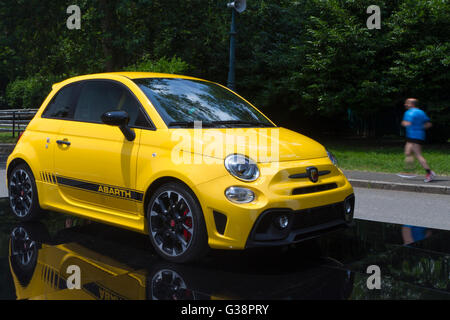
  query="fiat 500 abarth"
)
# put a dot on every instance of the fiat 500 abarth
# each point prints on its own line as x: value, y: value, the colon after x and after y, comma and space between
x: 186, y: 161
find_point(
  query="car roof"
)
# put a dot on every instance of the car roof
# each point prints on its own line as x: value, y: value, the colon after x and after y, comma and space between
x: 138, y: 75
x: 127, y: 74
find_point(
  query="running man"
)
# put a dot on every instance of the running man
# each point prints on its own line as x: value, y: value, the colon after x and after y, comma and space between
x: 416, y: 122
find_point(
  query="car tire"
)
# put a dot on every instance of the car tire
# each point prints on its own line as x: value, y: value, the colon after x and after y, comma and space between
x: 167, y: 281
x: 176, y: 224
x: 24, y: 249
x: 22, y: 191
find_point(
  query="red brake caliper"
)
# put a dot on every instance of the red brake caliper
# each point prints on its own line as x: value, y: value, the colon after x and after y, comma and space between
x: 188, y: 222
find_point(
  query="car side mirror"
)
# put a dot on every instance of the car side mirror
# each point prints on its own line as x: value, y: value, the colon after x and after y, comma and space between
x: 121, y: 120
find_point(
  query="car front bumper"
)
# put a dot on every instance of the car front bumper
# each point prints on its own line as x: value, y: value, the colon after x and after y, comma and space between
x: 303, y: 224
x: 312, y: 211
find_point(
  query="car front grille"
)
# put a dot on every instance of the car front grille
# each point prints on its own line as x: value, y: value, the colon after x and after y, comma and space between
x: 317, y: 216
x: 313, y: 189
x: 307, y: 220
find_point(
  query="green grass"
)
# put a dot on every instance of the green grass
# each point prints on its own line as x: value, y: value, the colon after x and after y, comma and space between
x: 386, y: 155
x: 6, y: 137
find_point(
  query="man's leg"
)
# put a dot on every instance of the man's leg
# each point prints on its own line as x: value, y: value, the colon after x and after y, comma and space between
x: 417, y: 149
x: 409, y: 158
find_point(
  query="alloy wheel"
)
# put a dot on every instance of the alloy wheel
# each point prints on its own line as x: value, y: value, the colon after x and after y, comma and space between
x: 22, y: 246
x: 21, y: 193
x: 169, y: 285
x: 171, y: 223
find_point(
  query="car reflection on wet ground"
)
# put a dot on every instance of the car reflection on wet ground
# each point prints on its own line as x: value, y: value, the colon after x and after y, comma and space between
x: 119, y: 264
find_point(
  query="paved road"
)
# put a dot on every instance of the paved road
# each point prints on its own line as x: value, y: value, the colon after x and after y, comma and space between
x: 420, y: 209
x: 429, y: 210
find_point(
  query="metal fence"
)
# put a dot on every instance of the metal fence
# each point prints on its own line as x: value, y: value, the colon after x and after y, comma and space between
x: 15, y: 120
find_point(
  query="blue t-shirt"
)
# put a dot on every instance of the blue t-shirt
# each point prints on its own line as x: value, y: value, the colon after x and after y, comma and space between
x: 417, y: 233
x: 417, y: 118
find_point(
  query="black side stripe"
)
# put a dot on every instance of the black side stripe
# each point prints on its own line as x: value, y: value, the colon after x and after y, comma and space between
x: 47, y: 177
x: 117, y: 192
x: 100, y: 292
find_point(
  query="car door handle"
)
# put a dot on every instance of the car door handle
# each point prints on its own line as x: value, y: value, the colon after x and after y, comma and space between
x: 67, y: 143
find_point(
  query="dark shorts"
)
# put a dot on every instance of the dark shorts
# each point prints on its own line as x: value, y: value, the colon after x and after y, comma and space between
x: 418, y: 141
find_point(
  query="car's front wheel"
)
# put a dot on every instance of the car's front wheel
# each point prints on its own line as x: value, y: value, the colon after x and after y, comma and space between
x: 176, y: 225
x: 23, y: 196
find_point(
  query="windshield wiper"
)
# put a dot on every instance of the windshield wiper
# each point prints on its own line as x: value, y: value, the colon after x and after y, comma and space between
x: 239, y: 122
x: 189, y: 124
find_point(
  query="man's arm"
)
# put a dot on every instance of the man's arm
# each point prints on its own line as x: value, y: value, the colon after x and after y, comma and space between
x: 407, y: 119
x: 406, y: 123
x: 427, y: 125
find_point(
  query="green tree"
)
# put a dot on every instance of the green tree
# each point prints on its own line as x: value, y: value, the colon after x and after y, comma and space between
x: 307, y: 64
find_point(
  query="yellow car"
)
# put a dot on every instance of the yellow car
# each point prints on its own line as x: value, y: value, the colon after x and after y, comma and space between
x: 184, y: 160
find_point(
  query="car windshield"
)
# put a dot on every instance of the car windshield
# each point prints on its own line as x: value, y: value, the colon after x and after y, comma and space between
x: 181, y: 102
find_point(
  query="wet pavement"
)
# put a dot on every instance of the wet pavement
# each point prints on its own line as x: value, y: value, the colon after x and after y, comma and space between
x: 119, y: 264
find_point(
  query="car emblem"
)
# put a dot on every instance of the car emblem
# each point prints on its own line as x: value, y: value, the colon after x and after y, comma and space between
x: 313, y: 174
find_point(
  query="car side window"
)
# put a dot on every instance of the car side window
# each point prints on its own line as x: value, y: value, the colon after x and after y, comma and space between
x: 60, y: 107
x: 98, y: 97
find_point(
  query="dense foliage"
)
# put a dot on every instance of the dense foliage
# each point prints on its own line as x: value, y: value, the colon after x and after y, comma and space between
x: 311, y: 65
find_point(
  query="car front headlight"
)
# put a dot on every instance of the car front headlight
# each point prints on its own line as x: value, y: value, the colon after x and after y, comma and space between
x: 242, y: 167
x: 332, y: 158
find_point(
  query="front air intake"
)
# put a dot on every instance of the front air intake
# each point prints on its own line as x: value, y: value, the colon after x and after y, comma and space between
x: 313, y: 189
x: 221, y: 221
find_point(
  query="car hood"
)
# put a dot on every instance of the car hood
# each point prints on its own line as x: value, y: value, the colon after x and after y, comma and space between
x: 260, y: 144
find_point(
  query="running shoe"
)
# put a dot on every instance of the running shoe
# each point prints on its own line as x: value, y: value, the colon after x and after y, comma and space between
x: 430, y: 176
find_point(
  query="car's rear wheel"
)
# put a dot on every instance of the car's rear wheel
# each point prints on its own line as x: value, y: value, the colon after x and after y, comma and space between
x: 176, y: 225
x: 23, y: 196
x: 23, y: 254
